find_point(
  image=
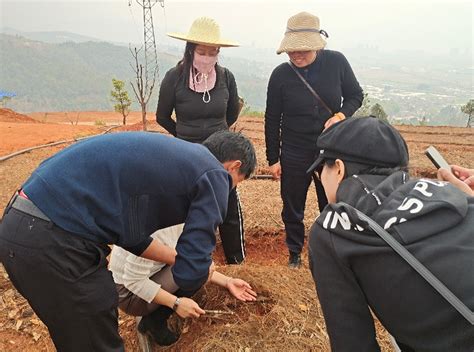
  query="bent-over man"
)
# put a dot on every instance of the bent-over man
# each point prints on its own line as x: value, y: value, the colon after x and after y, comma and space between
x: 115, y: 189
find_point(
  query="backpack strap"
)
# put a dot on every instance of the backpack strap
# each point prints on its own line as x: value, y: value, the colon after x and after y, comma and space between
x: 227, y: 80
x: 447, y: 294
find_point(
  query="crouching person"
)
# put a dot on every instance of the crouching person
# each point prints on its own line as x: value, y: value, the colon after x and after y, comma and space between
x: 362, y: 163
x: 146, y: 288
x: 115, y: 189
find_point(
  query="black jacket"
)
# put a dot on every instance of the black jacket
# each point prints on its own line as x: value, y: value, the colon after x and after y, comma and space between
x: 293, y: 115
x: 196, y: 120
x: 354, y: 269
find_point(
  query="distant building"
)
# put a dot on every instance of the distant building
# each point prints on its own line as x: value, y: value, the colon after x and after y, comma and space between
x: 4, y: 94
x: 408, y: 120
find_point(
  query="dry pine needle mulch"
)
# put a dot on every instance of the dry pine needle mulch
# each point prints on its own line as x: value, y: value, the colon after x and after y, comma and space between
x: 286, y: 317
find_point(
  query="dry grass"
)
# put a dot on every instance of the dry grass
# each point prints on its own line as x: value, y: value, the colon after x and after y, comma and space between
x: 286, y: 317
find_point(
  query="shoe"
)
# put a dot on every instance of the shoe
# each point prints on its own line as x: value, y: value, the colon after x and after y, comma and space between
x: 157, y: 330
x: 295, y: 260
x: 144, y: 341
x: 234, y: 260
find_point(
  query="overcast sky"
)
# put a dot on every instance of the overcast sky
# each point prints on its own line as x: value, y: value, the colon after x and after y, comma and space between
x: 433, y: 26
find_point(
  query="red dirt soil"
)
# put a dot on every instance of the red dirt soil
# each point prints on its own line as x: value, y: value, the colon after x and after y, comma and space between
x: 20, y: 330
x: 7, y: 115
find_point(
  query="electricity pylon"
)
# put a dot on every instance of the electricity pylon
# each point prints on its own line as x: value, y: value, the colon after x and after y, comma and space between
x: 151, y: 59
x: 143, y: 87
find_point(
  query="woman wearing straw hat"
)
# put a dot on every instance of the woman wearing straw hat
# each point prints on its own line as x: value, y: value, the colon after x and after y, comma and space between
x: 204, y: 98
x: 316, y: 89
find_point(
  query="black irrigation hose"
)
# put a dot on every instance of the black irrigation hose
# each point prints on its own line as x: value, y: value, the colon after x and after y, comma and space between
x: 6, y: 157
x: 261, y: 177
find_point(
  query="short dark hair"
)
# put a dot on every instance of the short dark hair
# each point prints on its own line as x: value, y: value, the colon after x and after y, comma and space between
x: 227, y: 146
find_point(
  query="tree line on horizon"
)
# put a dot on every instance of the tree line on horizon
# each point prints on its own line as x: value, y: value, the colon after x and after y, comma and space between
x: 77, y: 76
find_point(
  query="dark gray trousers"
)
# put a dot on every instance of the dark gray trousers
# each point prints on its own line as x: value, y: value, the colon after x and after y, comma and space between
x: 295, y: 183
x: 65, y: 280
x: 134, y: 305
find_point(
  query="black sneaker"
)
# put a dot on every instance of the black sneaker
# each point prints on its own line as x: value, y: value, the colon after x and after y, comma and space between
x: 158, y: 330
x: 144, y: 341
x: 295, y: 260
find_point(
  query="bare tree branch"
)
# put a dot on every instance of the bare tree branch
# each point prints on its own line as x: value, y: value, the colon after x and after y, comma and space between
x: 142, y: 89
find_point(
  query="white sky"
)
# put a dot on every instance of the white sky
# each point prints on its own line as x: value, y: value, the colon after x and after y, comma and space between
x: 434, y: 26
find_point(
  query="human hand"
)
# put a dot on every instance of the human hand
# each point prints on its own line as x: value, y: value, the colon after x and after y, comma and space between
x: 464, y: 180
x: 275, y: 170
x: 464, y: 174
x: 187, y: 308
x: 337, y: 117
x: 241, y: 290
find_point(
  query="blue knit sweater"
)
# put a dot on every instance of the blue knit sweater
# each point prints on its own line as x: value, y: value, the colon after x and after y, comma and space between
x: 120, y: 188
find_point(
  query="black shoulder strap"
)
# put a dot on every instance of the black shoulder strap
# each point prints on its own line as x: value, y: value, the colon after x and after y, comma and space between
x: 227, y: 81
x: 311, y: 89
x: 415, y: 264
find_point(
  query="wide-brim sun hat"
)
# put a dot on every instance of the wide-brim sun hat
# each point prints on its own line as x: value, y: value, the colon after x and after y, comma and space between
x: 303, y: 33
x: 204, y: 31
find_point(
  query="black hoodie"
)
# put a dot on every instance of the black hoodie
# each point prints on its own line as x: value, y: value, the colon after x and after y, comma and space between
x: 354, y: 269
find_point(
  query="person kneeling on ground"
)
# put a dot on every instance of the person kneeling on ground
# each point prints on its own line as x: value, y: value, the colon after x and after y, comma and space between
x: 362, y: 163
x: 146, y: 288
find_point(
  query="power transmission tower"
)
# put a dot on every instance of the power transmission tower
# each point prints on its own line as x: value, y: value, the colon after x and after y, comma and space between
x: 144, y: 85
x: 151, y: 60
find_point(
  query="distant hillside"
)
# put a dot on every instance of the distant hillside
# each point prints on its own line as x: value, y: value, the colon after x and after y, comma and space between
x: 66, y: 76
x: 77, y: 76
x: 50, y: 37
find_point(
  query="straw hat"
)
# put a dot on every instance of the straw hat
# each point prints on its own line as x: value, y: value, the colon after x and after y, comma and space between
x: 204, y: 31
x: 302, y: 33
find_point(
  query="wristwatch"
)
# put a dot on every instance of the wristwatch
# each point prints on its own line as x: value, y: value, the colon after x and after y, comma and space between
x: 176, y: 304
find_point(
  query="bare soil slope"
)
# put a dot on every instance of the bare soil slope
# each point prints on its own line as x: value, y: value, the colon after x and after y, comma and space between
x: 284, y: 318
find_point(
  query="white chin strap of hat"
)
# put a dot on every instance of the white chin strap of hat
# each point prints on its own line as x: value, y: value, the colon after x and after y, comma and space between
x: 198, y: 78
